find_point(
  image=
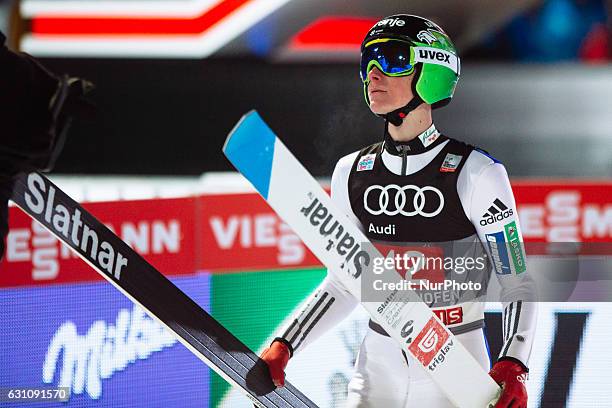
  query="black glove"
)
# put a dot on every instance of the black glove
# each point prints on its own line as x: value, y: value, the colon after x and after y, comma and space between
x: 69, y: 101
x: 36, y: 109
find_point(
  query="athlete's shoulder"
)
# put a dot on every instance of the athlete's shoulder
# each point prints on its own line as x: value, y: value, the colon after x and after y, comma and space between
x: 345, y: 163
x: 480, y: 160
x: 476, y: 158
x: 482, y: 179
x: 480, y: 169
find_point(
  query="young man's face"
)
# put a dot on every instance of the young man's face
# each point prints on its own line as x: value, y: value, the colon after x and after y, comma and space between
x: 388, y: 93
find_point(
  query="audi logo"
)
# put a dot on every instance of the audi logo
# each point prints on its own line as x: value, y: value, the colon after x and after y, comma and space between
x: 400, y: 202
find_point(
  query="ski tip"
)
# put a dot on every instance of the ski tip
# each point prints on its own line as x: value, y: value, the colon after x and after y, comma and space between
x: 250, y: 148
x: 250, y: 114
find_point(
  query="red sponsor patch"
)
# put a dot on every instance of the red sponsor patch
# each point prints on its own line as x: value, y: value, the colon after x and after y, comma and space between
x: 453, y: 315
x: 428, y: 342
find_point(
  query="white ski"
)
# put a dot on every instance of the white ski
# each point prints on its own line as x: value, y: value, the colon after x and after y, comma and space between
x: 301, y: 202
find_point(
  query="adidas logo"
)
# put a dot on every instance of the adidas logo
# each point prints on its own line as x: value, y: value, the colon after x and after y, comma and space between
x: 497, y: 212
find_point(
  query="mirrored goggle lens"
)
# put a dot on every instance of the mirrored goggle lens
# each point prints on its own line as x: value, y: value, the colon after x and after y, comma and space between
x: 391, y: 57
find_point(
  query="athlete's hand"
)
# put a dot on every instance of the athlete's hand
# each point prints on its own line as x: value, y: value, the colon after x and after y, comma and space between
x: 276, y: 357
x: 511, y: 376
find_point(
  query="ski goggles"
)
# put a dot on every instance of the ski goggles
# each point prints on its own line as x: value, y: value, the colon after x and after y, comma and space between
x: 390, y: 56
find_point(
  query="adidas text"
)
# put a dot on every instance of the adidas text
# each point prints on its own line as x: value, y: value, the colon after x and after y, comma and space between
x: 491, y: 219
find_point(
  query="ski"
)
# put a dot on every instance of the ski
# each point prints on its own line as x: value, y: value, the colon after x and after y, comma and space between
x: 257, y: 153
x: 153, y: 292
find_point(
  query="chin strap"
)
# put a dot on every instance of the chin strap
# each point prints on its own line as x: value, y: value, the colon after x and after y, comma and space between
x: 397, y: 116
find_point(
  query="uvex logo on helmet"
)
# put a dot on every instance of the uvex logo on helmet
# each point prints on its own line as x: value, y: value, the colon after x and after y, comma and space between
x: 431, y: 55
x: 434, y: 55
x: 391, y: 22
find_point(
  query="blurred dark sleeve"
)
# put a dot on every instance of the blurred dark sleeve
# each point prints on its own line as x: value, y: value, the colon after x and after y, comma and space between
x: 26, y: 89
x: 5, y: 193
x: 36, y: 109
x: 26, y: 93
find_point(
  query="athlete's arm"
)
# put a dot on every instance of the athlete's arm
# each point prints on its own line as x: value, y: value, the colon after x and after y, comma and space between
x: 491, y: 193
x: 492, y: 209
x: 329, y: 304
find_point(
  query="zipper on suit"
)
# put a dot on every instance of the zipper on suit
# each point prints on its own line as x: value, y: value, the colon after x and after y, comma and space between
x: 404, y: 155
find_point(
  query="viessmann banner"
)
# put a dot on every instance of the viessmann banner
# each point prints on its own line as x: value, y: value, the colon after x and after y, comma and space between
x: 237, y: 232
x: 163, y: 231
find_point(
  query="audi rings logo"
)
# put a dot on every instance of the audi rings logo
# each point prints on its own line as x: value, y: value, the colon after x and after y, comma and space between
x: 400, y: 204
